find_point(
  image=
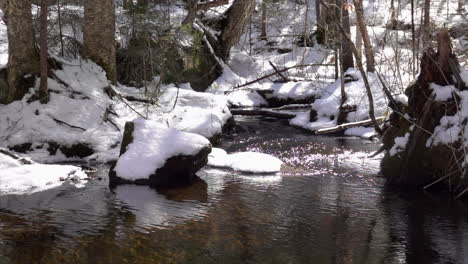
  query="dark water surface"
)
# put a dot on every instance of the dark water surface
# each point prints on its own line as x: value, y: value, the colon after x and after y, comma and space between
x: 328, y: 206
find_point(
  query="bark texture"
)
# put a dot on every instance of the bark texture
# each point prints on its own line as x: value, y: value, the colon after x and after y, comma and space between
x: 236, y: 18
x: 426, y: 24
x: 365, y: 35
x: 98, y: 35
x: 418, y: 163
x: 23, y: 57
x: 43, y: 93
x: 347, y: 55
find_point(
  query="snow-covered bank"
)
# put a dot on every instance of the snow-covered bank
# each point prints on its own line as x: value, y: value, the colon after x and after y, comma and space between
x: 326, y: 109
x: 17, y: 177
x: 249, y: 162
x: 81, y: 115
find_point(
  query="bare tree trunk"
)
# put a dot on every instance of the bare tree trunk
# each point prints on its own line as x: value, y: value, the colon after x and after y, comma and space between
x: 43, y: 93
x: 23, y: 58
x: 347, y: 53
x: 236, y: 19
x: 358, y: 41
x: 98, y: 35
x: 59, y: 17
x: 426, y: 29
x: 263, y: 35
x: 320, y: 26
x: 365, y: 36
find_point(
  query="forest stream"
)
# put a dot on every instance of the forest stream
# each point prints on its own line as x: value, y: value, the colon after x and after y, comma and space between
x: 328, y: 205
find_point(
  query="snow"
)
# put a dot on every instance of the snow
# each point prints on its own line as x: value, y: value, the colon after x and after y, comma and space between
x: 83, y: 103
x: 246, y: 98
x: 152, y: 145
x: 16, y: 178
x: 250, y: 162
x: 442, y: 93
x: 402, y: 98
x: 201, y: 113
x: 328, y: 104
x: 400, y: 144
x: 219, y: 158
x: 294, y: 90
x: 363, y: 132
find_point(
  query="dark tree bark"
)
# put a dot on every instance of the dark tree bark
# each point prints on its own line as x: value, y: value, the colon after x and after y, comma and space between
x: 365, y: 36
x: 263, y: 34
x: 98, y: 35
x: 43, y: 93
x: 426, y: 29
x: 347, y: 53
x: 23, y: 58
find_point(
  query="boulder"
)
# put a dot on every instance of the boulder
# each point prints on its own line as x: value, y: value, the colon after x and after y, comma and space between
x: 152, y: 154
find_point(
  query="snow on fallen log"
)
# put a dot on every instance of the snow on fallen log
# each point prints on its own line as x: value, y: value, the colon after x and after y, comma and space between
x: 249, y: 162
x: 22, y: 176
x: 348, y: 125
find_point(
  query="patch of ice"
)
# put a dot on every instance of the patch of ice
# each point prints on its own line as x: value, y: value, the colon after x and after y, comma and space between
x: 152, y: 145
x: 218, y: 158
x: 251, y: 162
x: 363, y: 132
x: 16, y: 178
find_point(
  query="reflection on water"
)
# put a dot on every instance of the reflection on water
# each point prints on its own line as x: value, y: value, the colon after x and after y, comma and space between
x: 326, y: 206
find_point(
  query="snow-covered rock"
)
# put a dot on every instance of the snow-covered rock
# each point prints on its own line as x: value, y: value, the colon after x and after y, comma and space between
x: 159, y: 156
x: 21, y: 176
x: 250, y: 162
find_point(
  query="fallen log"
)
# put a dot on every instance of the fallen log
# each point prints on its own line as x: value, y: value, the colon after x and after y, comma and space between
x: 277, y: 71
x: 348, y: 125
x: 262, y: 112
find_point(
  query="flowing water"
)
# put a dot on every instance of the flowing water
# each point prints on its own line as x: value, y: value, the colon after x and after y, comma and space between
x: 328, y: 206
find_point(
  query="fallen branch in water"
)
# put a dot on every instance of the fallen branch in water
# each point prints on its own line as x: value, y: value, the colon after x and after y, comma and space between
x: 348, y: 125
x: 262, y: 112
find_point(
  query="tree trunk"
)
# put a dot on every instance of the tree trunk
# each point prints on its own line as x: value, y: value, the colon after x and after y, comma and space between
x: 43, y: 93
x: 23, y: 58
x: 321, y: 36
x: 358, y: 42
x: 426, y: 29
x: 98, y: 35
x: 365, y: 36
x: 347, y: 53
x: 236, y: 19
x: 263, y: 35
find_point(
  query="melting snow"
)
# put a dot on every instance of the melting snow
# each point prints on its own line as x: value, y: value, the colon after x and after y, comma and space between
x: 16, y: 178
x: 251, y: 162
